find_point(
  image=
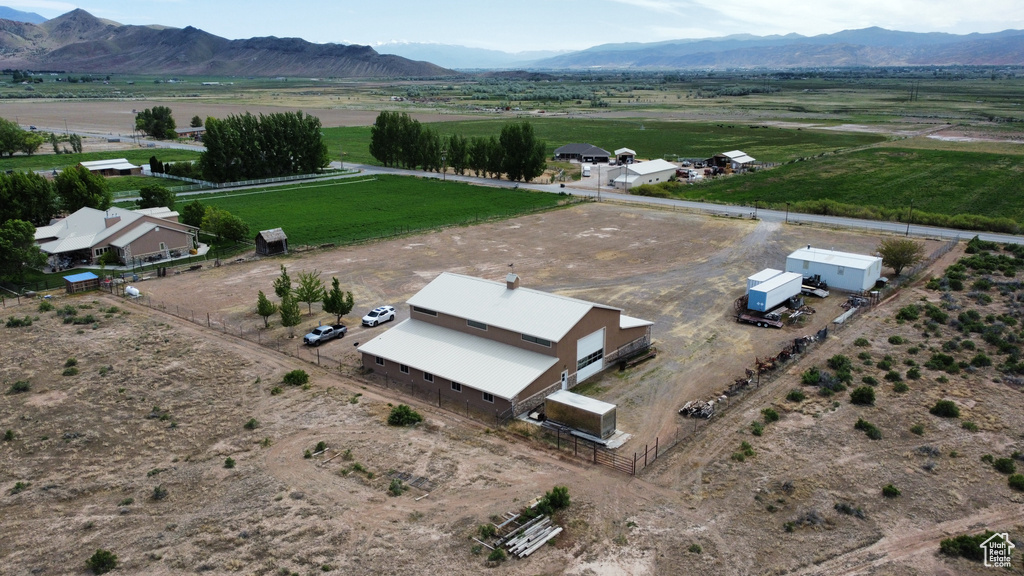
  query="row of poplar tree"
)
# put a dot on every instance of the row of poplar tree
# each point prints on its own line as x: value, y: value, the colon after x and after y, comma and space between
x: 399, y: 140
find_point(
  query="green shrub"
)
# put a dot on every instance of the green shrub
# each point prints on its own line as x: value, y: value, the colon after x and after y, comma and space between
x: 840, y: 363
x: 969, y: 426
x: 45, y: 306
x: 811, y: 376
x: 870, y: 429
x: 307, y: 454
x: 102, y: 561
x: 20, y: 487
x: 770, y: 415
x: 487, y: 531
x: 126, y: 502
x: 695, y: 549
x: 71, y: 362
x: 870, y: 380
x: 861, y: 342
x: 496, y: 555
x: 276, y: 390
x: 13, y: 322
x: 987, y: 458
x: 558, y: 497
x: 252, y: 424
x: 914, y: 373
x: 296, y: 378
x: 890, y: 491
x: 917, y: 429
x: 9, y: 436
x: 1004, y: 465
x: 884, y: 364
x: 70, y: 371
x: 900, y: 387
x: 913, y: 350
x: 396, y: 488
x: 159, y: 493
x: 229, y: 462
x: 893, y: 376
x: 1016, y: 482
x: 864, y: 395
x: 909, y: 313
x: 19, y: 387
x: 966, y: 546
x: 897, y: 340
x: 796, y: 395
x: 981, y: 360
x: 945, y: 409
x: 403, y: 415
x: 756, y: 428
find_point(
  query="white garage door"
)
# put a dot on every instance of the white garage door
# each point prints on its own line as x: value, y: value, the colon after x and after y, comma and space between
x: 589, y: 355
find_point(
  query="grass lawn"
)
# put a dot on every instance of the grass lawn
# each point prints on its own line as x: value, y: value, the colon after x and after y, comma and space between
x: 650, y: 139
x: 347, y: 211
x: 936, y: 181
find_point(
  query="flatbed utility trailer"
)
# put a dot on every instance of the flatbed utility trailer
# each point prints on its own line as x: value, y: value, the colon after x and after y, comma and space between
x: 812, y: 291
x: 768, y: 320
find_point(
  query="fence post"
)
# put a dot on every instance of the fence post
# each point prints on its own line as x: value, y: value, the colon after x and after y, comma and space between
x: 438, y: 397
x: 595, y: 453
x: 645, y: 455
x: 656, y: 448
x: 207, y: 319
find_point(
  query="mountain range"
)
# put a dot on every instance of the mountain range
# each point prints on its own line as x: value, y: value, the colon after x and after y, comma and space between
x: 80, y: 42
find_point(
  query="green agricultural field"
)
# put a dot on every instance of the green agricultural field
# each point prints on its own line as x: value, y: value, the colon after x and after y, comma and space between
x: 61, y: 161
x: 935, y: 181
x: 345, y: 211
x: 650, y: 139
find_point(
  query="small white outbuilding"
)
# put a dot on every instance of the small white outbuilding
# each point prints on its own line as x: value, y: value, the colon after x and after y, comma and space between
x: 842, y: 270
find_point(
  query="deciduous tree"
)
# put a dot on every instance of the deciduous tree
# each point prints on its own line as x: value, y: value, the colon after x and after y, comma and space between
x: 291, y: 315
x: 224, y: 224
x: 18, y: 249
x: 27, y: 196
x: 154, y: 196
x: 898, y: 253
x: 79, y: 188
x: 196, y: 122
x: 523, y: 155
x: 310, y: 288
x: 337, y: 302
x: 157, y: 122
x: 265, y: 308
x: 283, y: 284
x: 192, y: 214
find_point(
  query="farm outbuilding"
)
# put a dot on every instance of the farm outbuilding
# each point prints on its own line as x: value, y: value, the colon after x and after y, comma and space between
x: 637, y: 173
x: 588, y: 415
x: 582, y: 153
x: 625, y: 156
x: 498, y: 347
x: 734, y: 159
x: 842, y: 270
x: 115, y: 167
x: 762, y: 276
x: 774, y: 291
x: 81, y: 282
x: 271, y: 242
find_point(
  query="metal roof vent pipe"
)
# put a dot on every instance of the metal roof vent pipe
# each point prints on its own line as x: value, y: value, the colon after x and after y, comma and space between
x: 512, y: 281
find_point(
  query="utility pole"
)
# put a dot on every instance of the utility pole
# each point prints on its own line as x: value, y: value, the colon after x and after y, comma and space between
x: 910, y: 216
x: 787, y: 212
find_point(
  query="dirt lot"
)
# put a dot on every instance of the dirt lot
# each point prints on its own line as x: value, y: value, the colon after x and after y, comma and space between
x: 162, y: 401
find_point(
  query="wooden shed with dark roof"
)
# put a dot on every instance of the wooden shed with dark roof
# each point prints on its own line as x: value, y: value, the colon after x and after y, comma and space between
x: 271, y: 242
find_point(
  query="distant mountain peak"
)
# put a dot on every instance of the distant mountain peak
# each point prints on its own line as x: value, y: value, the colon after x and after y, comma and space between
x: 19, y: 16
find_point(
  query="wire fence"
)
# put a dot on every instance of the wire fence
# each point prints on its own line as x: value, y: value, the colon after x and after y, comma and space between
x: 195, y: 185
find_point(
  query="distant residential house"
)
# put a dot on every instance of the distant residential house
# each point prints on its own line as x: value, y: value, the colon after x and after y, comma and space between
x: 271, y: 242
x: 497, y: 346
x: 115, y: 167
x: 136, y: 235
x: 582, y: 153
x: 637, y: 173
x: 190, y: 132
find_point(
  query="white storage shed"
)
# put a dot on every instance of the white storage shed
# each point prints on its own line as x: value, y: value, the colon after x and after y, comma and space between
x: 842, y: 270
x: 771, y: 293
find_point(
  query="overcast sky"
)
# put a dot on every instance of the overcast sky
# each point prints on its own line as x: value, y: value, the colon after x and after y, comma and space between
x: 542, y: 24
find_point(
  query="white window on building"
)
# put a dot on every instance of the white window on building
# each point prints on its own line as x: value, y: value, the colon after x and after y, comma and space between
x: 403, y: 369
x: 428, y: 376
x: 456, y: 386
x: 379, y: 361
x: 488, y: 397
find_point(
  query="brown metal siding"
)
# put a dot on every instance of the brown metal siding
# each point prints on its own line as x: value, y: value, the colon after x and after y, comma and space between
x: 392, y: 371
x: 150, y: 242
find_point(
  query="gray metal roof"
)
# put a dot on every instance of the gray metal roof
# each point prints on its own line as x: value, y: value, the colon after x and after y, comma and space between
x: 630, y: 322
x: 580, y: 401
x: 582, y: 150
x: 531, y: 312
x: 499, y: 369
x: 114, y: 164
x: 836, y: 258
x: 87, y: 228
x: 650, y: 167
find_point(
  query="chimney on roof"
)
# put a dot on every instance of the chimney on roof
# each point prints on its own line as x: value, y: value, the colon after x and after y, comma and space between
x: 512, y: 281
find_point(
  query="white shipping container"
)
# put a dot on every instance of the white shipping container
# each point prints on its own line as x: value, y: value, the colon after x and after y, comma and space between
x: 769, y: 294
x: 842, y: 270
x: 762, y: 276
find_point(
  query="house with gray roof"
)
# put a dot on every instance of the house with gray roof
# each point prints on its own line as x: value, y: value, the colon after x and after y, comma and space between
x: 582, y: 153
x: 137, y: 236
x: 499, y: 347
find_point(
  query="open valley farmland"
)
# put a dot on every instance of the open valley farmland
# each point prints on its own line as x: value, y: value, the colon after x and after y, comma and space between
x: 350, y: 210
x: 936, y: 181
x: 650, y: 139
